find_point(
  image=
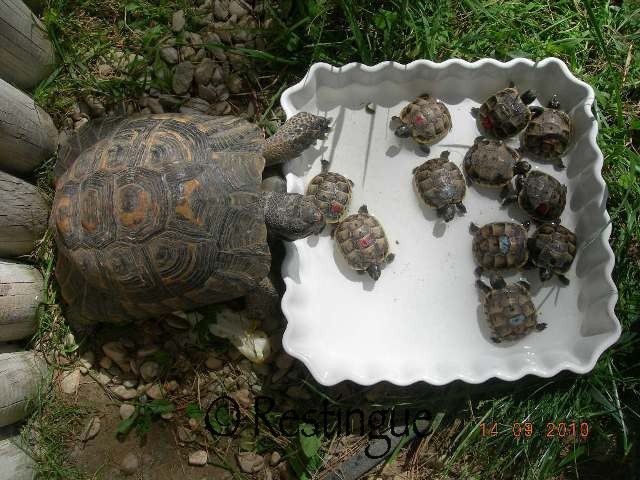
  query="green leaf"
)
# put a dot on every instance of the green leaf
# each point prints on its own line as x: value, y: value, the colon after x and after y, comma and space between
x: 157, y: 407
x: 194, y: 411
x: 125, y: 425
x: 310, y: 443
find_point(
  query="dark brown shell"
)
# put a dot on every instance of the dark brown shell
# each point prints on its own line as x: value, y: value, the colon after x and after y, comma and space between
x: 490, y: 163
x: 430, y: 119
x: 504, y: 114
x: 161, y: 213
x: 553, y: 247
x: 439, y: 182
x: 510, y: 312
x: 362, y: 241
x: 500, y: 246
x: 542, y: 196
x: 548, y: 134
x: 332, y: 194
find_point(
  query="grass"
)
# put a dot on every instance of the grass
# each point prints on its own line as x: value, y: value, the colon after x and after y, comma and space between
x: 595, y: 38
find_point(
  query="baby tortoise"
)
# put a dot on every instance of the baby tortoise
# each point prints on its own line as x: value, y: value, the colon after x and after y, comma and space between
x: 362, y: 241
x: 492, y: 163
x: 499, y: 246
x: 331, y: 193
x: 548, y: 134
x: 439, y: 184
x: 540, y: 195
x: 426, y: 120
x: 505, y: 113
x: 552, y: 248
x: 509, y: 309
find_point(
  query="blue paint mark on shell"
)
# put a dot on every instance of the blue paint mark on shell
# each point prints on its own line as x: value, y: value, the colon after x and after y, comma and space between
x: 505, y: 243
x: 517, y: 320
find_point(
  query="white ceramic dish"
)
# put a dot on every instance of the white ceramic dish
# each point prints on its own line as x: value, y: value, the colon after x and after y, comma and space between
x: 422, y: 321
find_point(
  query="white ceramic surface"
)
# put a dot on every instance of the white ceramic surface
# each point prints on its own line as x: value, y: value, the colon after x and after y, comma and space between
x: 422, y: 321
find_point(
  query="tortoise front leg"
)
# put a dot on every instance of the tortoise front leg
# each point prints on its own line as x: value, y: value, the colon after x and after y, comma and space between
x: 263, y: 303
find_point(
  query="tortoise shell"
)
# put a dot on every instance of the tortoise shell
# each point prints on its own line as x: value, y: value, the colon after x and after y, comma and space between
x: 553, y: 247
x: 490, y: 163
x: 331, y: 193
x: 439, y: 182
x: 510, y: 312
x: 161, y: 212
x: 360, y: 238
x: 429, y: 119
x: 504, y: 114
x: 541, y: 196
x: 500, y: 245
x: 548, y: 133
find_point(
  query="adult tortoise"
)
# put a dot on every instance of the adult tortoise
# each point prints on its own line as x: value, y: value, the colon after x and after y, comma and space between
x: 162, y: 213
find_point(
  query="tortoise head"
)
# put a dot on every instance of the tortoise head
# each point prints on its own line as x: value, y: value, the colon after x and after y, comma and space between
x: 374, y: 271
x: 447, y: 212
x: 291, y: 216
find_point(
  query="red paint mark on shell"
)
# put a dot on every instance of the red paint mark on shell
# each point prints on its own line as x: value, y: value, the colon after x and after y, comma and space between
x: 336, y: 207
x: 543, y: 209
x: 419, y: 120
x: 487, y: 123
x: 365, y: 241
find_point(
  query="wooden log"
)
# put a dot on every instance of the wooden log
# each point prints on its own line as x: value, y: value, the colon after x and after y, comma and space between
x: 27, y: 134
x: 21, y: 374
x: 23, y: 217
x: 21, y: 290
x: 26, y: 54
x: 16, y: 463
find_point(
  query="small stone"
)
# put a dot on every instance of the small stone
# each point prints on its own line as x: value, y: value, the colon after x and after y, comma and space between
x: 298, y: 393
x: 223, y: 30
x: 213, y: 363
x: 274, y: 459
x: 171, y: 386
x: 193, y: 38
x: 83, y: 370
x: 150, y: 350
x: 169, y: 55
x: 207, y: 92
x: 187, y: 52
x: 129, y: 464
x: 126, y: 410
x: 182, y: 77
x: 70, y: 381
x: 113, y: 370
x: 221, y: 9
x: 102, y: 378
x: 171, y: 103
x: 243, y: 397
x: 130, y: 382
x: 115, y: 351
x: 97, y: 108
x: 91, y: 429
x: 88, y: 358
x: 106, y: 363
x: 217, y: 77
x: 204, y: 71
x: 223, y: 94
x: 124, y: 393
x: 250, y: 462
x: 185, y: 435
x: 221, y: 108
x: 166, y: 415
x: 234, y: 83
x: 200, y: 55
x: 155, y: 392
x: 178, y: 21
x: 236, y: 9
x: 193, y: 424
x: 149, y: 371
x: 155, y: 106
x: 198, y: 458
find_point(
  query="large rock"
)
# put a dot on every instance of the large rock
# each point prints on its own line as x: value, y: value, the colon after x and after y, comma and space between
x: 178, y: 21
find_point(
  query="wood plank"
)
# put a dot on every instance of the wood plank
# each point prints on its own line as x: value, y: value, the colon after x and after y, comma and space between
x: 21, y: 374
x: 23, y: 217
x: 26, y: 54
x: 21, y: 290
